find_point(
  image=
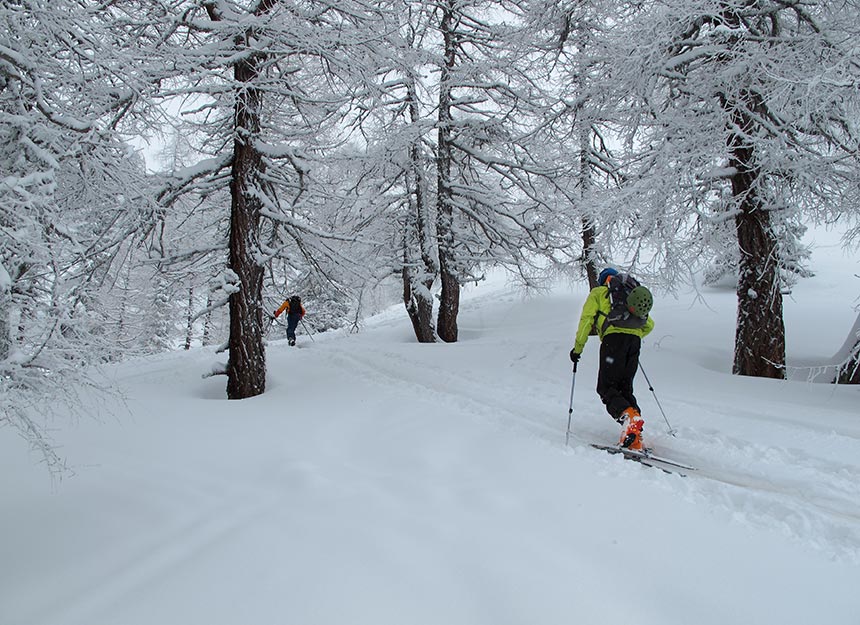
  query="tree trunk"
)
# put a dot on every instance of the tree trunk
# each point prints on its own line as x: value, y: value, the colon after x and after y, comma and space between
x: 449, y: 304
x: 760, y: 331
x: 449, y: 307
x: 419, y: 305
x: 417, y: 293
x: 849, y: 369
x: 119, y: 335
x: 849, y: 373
x: 189, y: 319
x: 589, y: 236
x: 247, y: 363
x: 760, y: 335
x: 5, y: 314
x: 207, y: 321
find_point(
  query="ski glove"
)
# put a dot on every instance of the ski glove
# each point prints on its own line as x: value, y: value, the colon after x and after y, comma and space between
x: 574, y: 357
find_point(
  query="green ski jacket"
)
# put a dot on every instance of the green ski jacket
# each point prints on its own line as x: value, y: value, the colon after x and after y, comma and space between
x: 595, y: 308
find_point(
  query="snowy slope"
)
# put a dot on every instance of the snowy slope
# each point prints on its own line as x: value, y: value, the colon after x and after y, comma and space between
x: 383, y: 482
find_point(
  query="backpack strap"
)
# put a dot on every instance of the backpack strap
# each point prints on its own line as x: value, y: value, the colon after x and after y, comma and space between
x: 603, y: 325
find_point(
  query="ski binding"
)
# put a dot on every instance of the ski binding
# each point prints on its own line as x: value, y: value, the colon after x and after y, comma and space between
x: 645, y: 457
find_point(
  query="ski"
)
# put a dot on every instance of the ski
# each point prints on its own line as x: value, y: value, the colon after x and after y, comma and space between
x: 646, y: 458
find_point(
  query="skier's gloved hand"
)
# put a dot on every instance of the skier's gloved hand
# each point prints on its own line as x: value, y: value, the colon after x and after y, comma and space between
x: 574, y: 357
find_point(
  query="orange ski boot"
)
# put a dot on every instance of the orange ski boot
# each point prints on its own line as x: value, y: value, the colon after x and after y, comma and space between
x: 631, y: 436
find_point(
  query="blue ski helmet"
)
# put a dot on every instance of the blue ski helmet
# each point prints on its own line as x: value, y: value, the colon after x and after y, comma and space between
x: 604, y: 275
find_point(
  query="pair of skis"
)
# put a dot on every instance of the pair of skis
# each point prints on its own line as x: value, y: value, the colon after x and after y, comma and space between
x: 647, y: 458
x: 642, y: 457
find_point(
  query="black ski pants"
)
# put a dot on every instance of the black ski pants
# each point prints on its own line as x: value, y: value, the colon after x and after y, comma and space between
x: 619, y: 360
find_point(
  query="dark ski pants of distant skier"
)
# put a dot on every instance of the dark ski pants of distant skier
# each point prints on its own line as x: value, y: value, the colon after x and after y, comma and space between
x: 292, y: 324
x: 619, y: 360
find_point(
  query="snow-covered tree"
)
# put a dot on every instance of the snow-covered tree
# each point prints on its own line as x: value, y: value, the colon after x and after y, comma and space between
x: 848, y: 357
x: 455, y: 154
x: 743, y: 113
x: 572, y: 41
x: 71, y: 193
x: 265, y: 87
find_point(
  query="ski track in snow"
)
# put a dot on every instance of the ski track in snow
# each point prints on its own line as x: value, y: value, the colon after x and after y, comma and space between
x: 730, y: 471
x: 141, y: 567
x: 814, y: 503
x: 218, y: 505
x: 769, y: 482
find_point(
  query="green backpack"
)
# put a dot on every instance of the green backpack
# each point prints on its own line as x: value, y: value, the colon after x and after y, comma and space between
x: 629, y: 303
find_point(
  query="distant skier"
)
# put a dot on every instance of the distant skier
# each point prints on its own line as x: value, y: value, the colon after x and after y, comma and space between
x: 295, y: 311
x: 618, y: 308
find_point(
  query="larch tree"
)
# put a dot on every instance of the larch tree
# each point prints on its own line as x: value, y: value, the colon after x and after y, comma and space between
x: 571, y: 38
x: 743, y: 112
x: 72, y: 195
x: 456, y: 126
x: 266, y: 87
x: 396, y: 163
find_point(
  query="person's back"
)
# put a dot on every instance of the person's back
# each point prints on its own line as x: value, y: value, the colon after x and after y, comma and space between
x: 620, y: 326
x: 295, y: 306
x: 295, y: 311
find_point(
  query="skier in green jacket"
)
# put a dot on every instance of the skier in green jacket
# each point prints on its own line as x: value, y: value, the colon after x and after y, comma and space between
x: 620, y: 336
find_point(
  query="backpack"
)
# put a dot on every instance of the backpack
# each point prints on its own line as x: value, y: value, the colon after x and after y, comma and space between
x: 620, y: 315
x: 295, y: 305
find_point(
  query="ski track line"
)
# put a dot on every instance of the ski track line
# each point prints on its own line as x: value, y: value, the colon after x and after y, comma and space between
x: 150, y: 561
x: 215, y: 506
x: 825, y: 526
x: 837, y: 478
x: 765, y: 503
x: 458, y: 386
x: 813, y: 492
x: 815, y: 500
x: 829, y: 524
x: 781, y: 423
x: 838, y: 507
x: 454, y: 388
x: 460, y: 391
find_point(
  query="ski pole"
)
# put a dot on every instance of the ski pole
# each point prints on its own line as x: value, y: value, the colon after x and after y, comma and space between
x: 306, y: 330
x: 570, y: 409
x: 270, y: 325
x: 651, y: 388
